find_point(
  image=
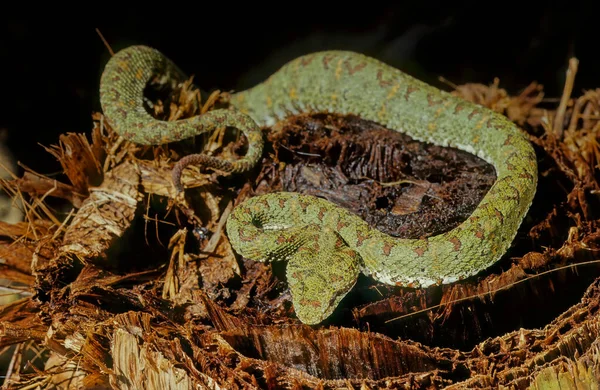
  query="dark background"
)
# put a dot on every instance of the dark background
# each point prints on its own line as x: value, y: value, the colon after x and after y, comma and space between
x: 51, y: 65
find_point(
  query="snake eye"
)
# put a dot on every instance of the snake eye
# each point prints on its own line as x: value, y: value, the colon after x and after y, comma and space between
x: 257, y: 221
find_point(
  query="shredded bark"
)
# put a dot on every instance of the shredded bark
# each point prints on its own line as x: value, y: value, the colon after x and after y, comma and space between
x: 399, y: 186
x: 129, y: 287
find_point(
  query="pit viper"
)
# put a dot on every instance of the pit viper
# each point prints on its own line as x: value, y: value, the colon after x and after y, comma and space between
x: 326, y: 247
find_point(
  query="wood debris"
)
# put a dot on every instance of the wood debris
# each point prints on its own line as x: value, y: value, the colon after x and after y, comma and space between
x: 129, y: 289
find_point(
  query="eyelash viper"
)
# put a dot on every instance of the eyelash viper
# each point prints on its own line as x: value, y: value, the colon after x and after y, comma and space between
x: 326, y: 247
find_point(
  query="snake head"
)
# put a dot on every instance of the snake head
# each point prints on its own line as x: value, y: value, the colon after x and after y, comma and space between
x: 320, y: 274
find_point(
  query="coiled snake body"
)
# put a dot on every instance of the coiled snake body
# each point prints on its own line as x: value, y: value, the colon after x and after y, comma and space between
x: 326, y: 246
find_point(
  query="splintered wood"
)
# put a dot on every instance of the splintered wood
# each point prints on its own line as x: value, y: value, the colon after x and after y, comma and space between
x: 132, y: 288
x: 104, y: 215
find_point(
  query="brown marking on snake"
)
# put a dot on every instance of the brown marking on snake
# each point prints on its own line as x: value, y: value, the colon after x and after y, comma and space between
x: 341, y: 224
x: 122, y: 111
x: 517, y: 196
x: 356, y: 68
x: 306, y: 302
x: 456, y: 242
x: 381, y: 113
x: 499, y: 214
x: 458, y: 108
x: 322, y: 212
x: 473, y: 113
x: 409, y: 91
x: 479, y: 233
x: 304, y: 248
x: 491, y: 123
x: 335, y: 278
x: 526, y: 175
x: 432, y: 102
x: 512, y: 156
x: 383, y: 83
x: 264, y: 202
x: 408, y: 285
x: 338, y: 69
x: 304, y: 61
x: 128, y: 134
x: 244, y: 209
x: 282, y: 202
x: 387, y: 248
x: 498, y: 126
x: 326, y: 60
x: 316, y: 246
x: 116, y: 94
x: 473, y: 219
x: 360, y: 237
x: 420, y: 251
x: 508, y: 140
x: 494, y: 249
x: 304, y: 205
x: 247, y: 237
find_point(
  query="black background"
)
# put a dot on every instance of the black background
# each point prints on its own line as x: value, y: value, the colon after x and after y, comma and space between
x: 51, y: 64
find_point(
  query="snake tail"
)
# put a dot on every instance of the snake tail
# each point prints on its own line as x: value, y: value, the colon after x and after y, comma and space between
x: 122, y: 85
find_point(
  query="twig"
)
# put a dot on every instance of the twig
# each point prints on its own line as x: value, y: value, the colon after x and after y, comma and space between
x: 110, y: 50
x: 568, y: 89
x: 447, y: 82
x: 491, y: 291
x: 14, y: 361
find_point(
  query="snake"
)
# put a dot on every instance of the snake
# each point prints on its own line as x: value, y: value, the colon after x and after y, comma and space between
x: 327, y: 247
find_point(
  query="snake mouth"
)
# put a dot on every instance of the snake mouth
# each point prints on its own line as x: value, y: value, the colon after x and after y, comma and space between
x: 316, y: 311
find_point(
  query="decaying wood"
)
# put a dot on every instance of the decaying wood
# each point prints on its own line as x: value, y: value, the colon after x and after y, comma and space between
x: 133, y: 288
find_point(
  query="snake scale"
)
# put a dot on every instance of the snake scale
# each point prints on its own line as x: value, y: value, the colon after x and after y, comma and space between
x: 326, y: 246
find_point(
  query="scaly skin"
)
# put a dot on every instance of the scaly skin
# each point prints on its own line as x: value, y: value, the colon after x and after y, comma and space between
x: 326, y: 246
x: 122, y: 84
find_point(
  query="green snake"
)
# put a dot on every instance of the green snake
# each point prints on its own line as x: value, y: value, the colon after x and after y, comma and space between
x: 326, y: 247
